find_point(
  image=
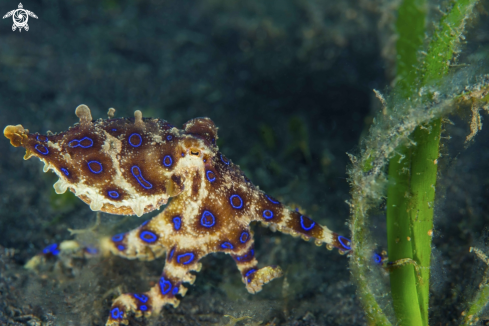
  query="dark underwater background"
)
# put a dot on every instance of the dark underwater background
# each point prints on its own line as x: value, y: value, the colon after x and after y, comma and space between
x: 289, y: 84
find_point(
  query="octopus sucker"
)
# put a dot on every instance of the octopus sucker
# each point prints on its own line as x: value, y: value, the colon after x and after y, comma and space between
x: 132, y: 166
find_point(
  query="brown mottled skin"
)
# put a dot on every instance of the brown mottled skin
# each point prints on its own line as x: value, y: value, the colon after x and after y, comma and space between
x: 133, y: 166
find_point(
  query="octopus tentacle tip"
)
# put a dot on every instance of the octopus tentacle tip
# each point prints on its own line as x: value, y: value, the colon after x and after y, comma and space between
x: 83, y: 113
x: 16, y: 134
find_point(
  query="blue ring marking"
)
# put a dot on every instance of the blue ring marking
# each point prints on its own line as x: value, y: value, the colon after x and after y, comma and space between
x: 177, y: 222
x: 144, y: 223
x: 377, y: 258
x: 141, y: 297
x: 344, y: 242
x: 165, y: 285
x: 51, y: 249
x: 205, y: 160
x: 227, y: 245
x: 118, y: 237
x: 188, y: 261
x: 148, y: 236
x: 140, y: 179
x: 143, y: 308
x: 78, y: 142
x: 272, y: 200
x: 164, y: 161
x: 248, y: 273
x: 211, y: 178
x: 65, y: 171
x: 175, y: 290
x: 121, y: 247
x: 45, y: 150
x: 115, y: 313
x: 267, y: 214
x: 245, y: 235
x: 140, y: 140
x: 92, y: 170
x: 205, y: 222
x: 42, y: 140
x: 240, y: 200
x: 113, y: 194
x: 169, y: 137
x: 224, y: 160
x: 302, y: 223
x: 183, y: 154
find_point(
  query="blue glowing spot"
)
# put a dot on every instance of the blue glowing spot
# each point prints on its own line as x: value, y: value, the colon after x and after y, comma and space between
x: 39, y: 138
x: 377, y: 258
x: 169, y: 137
x: 165, y: 285
x: 148, y: 236
x: 272, y: 200
x: 210, y: 176
x: 205, y: 160
x: 247, y: 256
x: 116, y: 313
x: 245, y: 236
x: 224, y: 160
x: 208, y: 220
x: 143, y: 308
x: 227, y: 245
x: 183, y: 154
x: 51, y: 249
x: 136, y: 172
x: 267, y: 214
x: 167, y: 161
x: 144, y: 223
x: 41, y: 149
x: 344, y: 242
x: 135, y: 140
x: 236, y: 201
x: 113, y: 194
x: 308, y: 221
x: 175, y: 290
x: 177, y: 222
x: 170, y: 257
x: 113, y: 129
x: 248, y: 273
x: 213, y: 140
x: 141, y: 297
x: 95, y: 167
x: 78, y: 143
x: 65, y: 171
x: 118, y: 237
x: 121, y: 247
x: 91, y: 251
x: 185, y: 258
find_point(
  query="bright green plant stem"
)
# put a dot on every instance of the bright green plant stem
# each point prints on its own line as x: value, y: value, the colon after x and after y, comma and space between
x: 410, y: 26
x: 412, y: 173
